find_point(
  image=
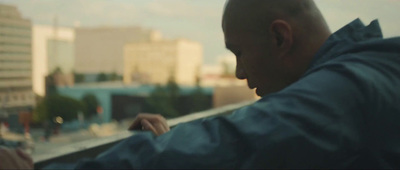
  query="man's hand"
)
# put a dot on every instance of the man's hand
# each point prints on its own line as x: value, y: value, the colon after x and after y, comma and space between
x: 152, y: 122
x: 14, y: 159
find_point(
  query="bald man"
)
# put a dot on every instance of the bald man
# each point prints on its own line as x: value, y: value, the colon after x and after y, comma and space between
x: 274, y: 41
x: 328, y: 100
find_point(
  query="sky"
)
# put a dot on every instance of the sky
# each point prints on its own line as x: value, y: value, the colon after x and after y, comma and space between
x: 198, y: 20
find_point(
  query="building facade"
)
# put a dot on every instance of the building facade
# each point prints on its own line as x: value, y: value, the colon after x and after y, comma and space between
x: 15, y: 61
x: 223, y: 92
x: 156, y: 62
x: 119, y: 101
x: 53, y: 50
x: 100, y: 49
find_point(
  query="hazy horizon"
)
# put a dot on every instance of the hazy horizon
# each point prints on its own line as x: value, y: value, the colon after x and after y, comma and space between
x: 195, y: 20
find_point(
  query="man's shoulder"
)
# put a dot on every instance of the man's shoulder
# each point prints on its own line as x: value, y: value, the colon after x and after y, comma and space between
x: 375, y: 54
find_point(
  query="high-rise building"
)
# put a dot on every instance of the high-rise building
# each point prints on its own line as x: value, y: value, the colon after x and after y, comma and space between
x: 100, y: 49
x: 15, y: 61
x: 53, y: 50
x: 156, y: 62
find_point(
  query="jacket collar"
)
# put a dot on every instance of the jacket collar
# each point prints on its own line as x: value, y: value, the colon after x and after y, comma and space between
x: 345, y: 38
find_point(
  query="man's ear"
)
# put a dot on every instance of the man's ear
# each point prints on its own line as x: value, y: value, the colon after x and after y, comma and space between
x: 282, y: 36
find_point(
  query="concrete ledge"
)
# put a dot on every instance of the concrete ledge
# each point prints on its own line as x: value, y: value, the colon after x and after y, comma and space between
x: 91, y: 148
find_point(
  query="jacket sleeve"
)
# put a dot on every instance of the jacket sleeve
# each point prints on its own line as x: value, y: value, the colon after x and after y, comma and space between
x: 310, y: 124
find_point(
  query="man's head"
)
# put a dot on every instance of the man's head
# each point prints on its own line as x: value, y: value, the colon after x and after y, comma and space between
x: 273, y: 40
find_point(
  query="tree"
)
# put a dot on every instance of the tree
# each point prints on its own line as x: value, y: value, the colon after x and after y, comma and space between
x: 198, y: 100
x: 56, y: 105
x: 113, y: 76
x: 57, y: 70
x: 159, y: 102
x: 168, y: 101
x: 165, y: 100
x: 173, y: 92
x: 90, y: 104
x: 41, y: 112
x: 79, y: 78
x: 51, y: 88
x: 101, y: 77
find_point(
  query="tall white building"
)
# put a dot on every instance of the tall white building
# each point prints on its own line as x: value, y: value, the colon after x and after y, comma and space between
x: 53, y: 47
x: 100, y: 49
x: 15, y: 60
x: 155, y: 62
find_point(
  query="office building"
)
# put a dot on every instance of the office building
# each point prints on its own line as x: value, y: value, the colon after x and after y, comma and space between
x: 100, y: 49
x: 156, y: 62
x: 53, y: 50
x: 15, y: 61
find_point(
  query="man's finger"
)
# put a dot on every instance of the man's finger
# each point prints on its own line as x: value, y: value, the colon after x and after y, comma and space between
x: 166, y: 126
x: 148, y: 126
x: 136, y: 124
x: 152, y: 118
x: 160, y: 129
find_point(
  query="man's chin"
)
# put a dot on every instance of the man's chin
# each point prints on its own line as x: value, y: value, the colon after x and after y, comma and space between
x: 260, y: 92
x: 266, y: 91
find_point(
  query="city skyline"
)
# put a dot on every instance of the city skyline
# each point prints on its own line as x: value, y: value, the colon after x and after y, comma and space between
x: 196, y: 20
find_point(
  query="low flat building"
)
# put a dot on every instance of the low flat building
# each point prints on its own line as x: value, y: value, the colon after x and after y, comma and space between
x: 119, y: 101
x: 156, y: 62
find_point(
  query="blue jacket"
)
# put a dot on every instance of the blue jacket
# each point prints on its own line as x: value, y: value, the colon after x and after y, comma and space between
x: 343, y: 113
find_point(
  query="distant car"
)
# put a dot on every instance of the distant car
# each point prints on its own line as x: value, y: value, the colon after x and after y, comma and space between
x: 25, y: 143
x: 11, y: 144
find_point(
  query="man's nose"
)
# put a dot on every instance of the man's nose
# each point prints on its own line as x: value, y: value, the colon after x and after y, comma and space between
x: 240, y: 74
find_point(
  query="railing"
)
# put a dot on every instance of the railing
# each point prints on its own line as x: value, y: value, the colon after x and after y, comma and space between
x: 91, y: 148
